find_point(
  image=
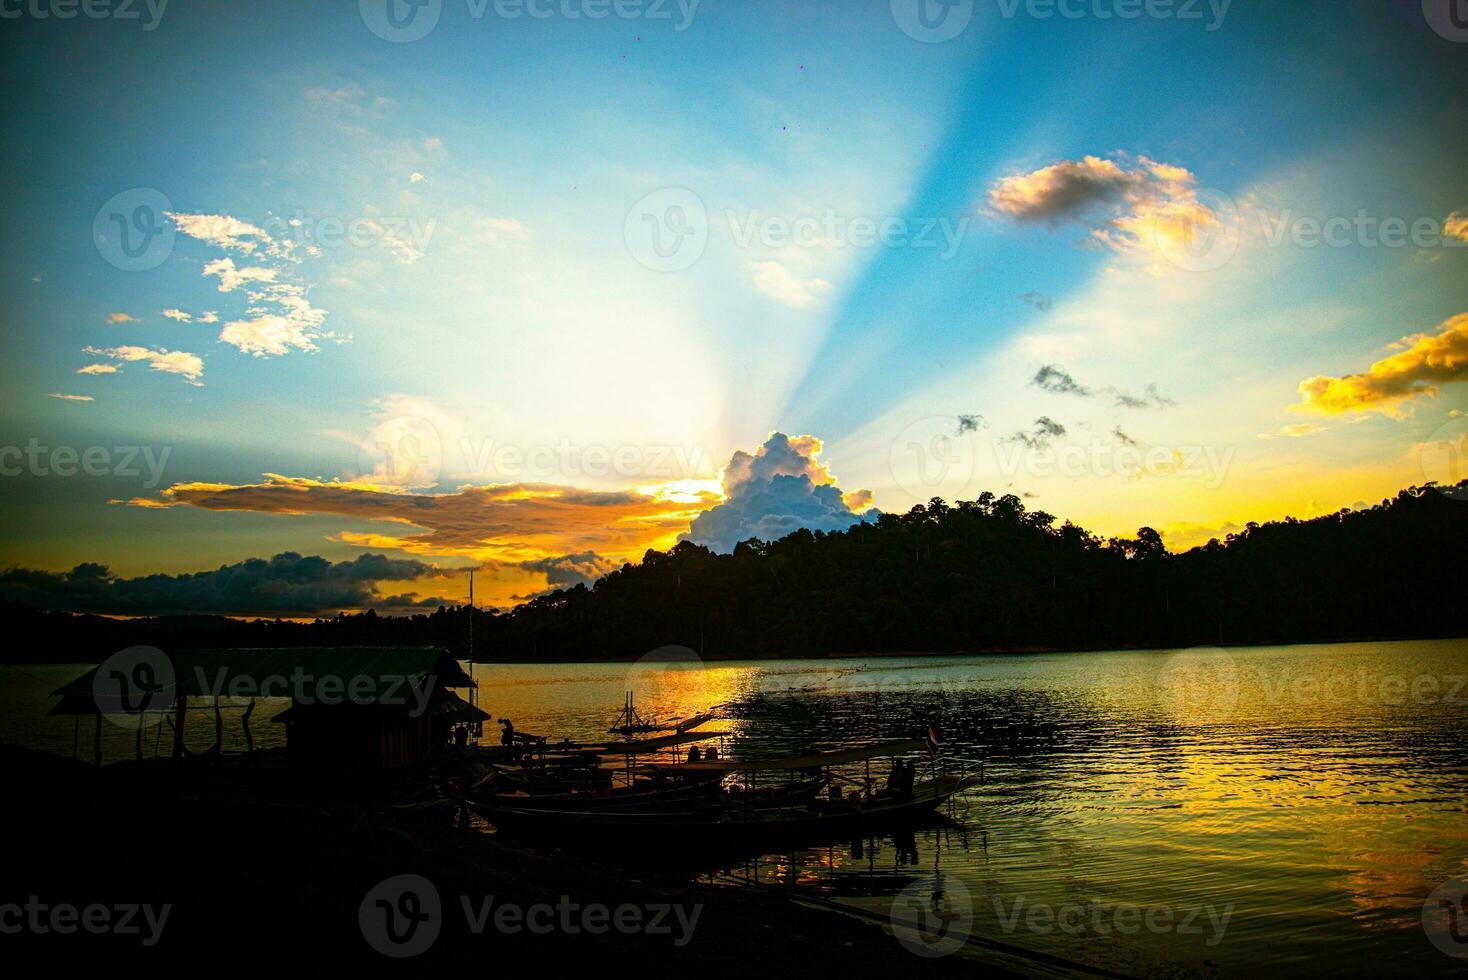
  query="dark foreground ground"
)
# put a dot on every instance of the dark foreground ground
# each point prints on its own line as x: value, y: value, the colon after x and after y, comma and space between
x: 266, y: 868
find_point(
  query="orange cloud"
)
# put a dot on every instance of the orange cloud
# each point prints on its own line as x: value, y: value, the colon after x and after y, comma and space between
x: 513, y: 528
x: 1423, y: 362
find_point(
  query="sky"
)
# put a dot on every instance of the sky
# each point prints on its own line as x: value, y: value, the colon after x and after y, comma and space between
x: 314, y: 307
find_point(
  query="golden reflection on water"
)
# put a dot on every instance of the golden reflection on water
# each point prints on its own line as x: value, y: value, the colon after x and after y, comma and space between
x: 1316, y: 794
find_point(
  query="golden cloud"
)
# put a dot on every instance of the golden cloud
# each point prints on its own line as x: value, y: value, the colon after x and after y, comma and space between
x: 1423, y: 362
x: 507, y: 522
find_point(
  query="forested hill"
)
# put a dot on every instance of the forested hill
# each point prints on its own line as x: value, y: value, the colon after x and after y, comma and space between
x: 979, y: 575
x: 987, y: 574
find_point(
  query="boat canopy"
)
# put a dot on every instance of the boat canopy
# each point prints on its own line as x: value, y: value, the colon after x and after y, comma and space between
x: 636, y: 746
x: 813, y: 760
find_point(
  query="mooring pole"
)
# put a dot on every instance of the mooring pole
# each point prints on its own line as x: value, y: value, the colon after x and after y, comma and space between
x: 181, y: 705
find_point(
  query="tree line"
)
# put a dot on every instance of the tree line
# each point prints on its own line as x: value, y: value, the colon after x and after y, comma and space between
x: 975, y: 576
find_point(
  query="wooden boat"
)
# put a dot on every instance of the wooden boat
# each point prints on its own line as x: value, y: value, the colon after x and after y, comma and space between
x: 734, y: 819
x: 818, y: 820
x: 652, y: 794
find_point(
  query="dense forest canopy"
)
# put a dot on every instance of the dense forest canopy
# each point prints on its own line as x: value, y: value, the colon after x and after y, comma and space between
x: 979, y: 575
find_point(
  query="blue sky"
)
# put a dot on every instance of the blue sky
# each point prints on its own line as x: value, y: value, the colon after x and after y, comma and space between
x: 502, y: 173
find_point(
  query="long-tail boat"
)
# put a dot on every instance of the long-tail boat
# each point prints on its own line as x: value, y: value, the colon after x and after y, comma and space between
x: 734, y: 819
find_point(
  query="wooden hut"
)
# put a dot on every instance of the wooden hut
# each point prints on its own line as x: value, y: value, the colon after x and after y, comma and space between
x: 350, y: 707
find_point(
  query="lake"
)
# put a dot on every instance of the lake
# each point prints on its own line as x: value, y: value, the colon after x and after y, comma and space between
x: 1188, y: 812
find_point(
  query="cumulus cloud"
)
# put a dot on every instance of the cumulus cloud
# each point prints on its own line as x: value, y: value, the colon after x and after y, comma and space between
x: 1045, y: 431
x: 189, y: 366
x: 777, y: 282
x: 415, y: 178
x: 121, y: 318
x: 287, y: 584
x: 1125, y: 204
x: 1391, y: 385
x: 97, y: 369
x: 778, y: 489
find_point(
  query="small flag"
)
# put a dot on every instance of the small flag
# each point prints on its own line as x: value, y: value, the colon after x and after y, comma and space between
x: 932, y: 740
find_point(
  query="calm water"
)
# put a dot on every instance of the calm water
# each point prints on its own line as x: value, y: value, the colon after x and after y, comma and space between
x: 1202, y: 812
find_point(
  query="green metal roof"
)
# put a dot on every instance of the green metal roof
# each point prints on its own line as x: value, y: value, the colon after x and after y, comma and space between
x: 309, y: 673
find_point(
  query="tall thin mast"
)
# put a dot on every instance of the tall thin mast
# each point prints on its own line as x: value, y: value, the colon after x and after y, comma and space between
x: 473, y: 691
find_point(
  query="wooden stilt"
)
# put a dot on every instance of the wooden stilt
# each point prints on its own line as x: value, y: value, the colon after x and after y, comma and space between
x: 181, y: 703
x: 245, y: 723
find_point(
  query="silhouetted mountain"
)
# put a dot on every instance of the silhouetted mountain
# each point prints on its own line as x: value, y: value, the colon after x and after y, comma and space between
x: 980, y: 575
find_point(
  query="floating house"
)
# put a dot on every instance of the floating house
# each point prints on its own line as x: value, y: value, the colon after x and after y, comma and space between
x: 357, y: 708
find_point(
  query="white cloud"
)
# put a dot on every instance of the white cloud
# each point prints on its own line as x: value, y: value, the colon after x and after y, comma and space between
x: 71, y: 398
x: 415, y: 178
x: 778, y: 489
x: 780, y: 284
x: 189, y: 366
x: 221, y: 230
x: 268, y: 334
x: 97, y: 369
x: 231, y: 278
